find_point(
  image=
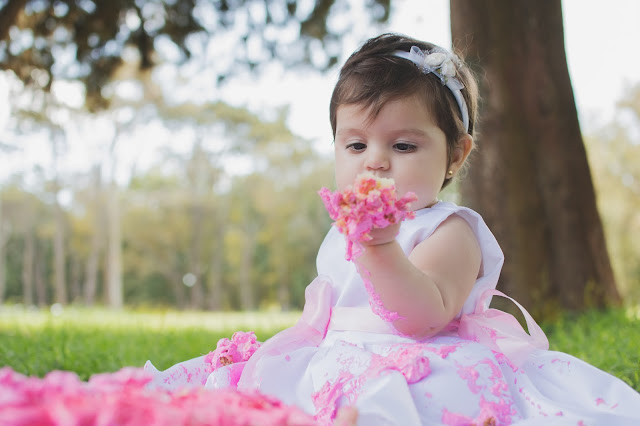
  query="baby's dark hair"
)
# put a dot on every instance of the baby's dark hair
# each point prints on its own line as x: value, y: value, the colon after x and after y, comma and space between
x: 374, y: 76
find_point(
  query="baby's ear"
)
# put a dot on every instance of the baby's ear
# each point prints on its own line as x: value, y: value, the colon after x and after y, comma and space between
x: 462, y: 150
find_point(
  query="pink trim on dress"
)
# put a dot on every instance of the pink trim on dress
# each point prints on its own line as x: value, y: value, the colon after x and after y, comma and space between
x: 308, y: 331
x: 501, y: 331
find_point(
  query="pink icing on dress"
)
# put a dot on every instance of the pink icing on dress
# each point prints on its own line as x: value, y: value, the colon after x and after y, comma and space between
x: 484, y: 369
x: 239, y: 349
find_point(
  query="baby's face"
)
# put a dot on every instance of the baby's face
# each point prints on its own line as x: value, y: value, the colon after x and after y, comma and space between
x: 403, y: 143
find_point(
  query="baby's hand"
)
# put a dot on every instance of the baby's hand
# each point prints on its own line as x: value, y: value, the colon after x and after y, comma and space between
x: 381, y: 236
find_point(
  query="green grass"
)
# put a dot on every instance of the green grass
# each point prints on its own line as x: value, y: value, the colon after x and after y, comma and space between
x: 89, y: 341
x: 609, y: 340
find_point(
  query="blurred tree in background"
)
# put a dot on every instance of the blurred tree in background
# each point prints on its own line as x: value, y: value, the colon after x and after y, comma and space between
x: 86, y: 40
x: 206, y: 238
x: 530, y: 178
x: 614, y: 156
x: 188, y: 239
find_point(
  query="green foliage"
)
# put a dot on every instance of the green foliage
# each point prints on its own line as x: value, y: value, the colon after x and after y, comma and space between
x: 101, y: 36
x: 614, y: 157
x: 249, y: 240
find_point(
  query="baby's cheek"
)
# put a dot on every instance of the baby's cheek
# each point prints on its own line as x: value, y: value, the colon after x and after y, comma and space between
x: 344, y: 179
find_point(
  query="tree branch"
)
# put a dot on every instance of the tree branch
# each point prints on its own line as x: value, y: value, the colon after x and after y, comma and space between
x: 9, y: 15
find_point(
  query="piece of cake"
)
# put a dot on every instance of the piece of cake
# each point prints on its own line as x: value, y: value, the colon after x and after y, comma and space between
x: 123, y: 398
x: 237, y: 349
x: 370, y: 202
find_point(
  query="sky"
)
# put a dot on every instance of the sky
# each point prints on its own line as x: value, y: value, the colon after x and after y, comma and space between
x: 600, y: 39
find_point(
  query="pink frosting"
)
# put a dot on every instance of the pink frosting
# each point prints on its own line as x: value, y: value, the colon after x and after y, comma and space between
x: 123, y: 398
x: 491, y: 414
x: 407, y: 359
x: 370, y: 202
x: 239, y: 349
x: 499, y: 411
x: 374, y: 299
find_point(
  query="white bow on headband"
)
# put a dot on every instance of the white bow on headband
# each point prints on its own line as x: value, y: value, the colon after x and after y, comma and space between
x: 441, y: 63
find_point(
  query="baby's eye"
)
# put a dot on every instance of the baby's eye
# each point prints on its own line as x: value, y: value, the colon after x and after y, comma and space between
x: 404, y: 147
x: 356, y: 146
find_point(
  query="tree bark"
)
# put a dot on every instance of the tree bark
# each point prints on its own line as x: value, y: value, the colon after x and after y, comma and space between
x: 114, y: 250
x: 9, y: 15
x: 247, y: 295
x: 284, y: 284
x: 97, y: 237
x: 195, y: 252
x: 91, y: 270
x: 529, y: 177
x: 59, y: 253
x: 4, y: 239
x: 75, y: 279
x: 28, y: 259
x: 172, y: 273
x: 214, y: 280
x: 3, y: 264
x: 39, y: 281
x: 216, y: 264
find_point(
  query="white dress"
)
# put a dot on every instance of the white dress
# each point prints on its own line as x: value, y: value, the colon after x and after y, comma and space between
x: 483, y: 370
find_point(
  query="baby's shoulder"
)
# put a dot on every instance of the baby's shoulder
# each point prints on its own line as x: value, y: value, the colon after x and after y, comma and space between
x: 442, y: 216
x: 427, y: 220
x: 453, y: 237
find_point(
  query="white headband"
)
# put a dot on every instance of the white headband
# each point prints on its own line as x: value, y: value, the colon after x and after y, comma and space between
x: 441, y: 63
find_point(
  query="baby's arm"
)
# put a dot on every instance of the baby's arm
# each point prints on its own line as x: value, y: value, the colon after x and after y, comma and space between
x: 428, y: 288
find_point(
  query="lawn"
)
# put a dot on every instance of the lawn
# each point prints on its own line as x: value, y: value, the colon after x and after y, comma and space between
x: 89, y: 341
x: 609, y: 340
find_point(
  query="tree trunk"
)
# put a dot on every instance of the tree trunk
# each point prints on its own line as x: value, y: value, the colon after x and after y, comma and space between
x: 198, y: 174
x: 59, y: 255
x: 214, y: 278
x: 41, y: 287
x: 284, y: 283
x: 4, y: 238
x: 197, y: 225
x: 91, y: 271
x: 28, y: 258
x: 530, y: 178
x: 9, y: 15
x: 279, y: 250
x: 97, y: 236
x: 3, y: 263
x: 247, y: 297
x: 175, y: 278
x: 114, y: 250
x: 75, y: 279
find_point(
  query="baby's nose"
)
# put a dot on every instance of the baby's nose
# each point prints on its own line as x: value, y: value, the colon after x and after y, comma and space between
x: 377, y: 161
